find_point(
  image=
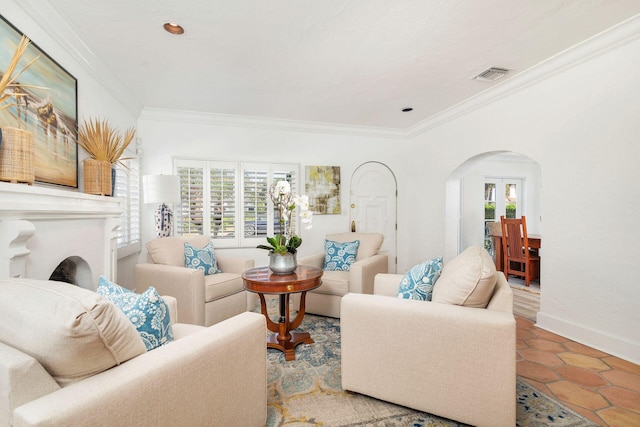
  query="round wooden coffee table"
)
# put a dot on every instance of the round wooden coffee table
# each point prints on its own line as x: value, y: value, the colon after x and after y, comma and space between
x: 263, y: 282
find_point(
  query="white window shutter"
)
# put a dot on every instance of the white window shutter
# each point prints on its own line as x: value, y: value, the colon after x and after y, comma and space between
x: 189, y: 216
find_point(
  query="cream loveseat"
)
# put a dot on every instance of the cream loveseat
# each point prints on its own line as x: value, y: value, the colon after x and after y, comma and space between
x: 202, y: 300
x: 446, y: 359
x: 325, y: 300
x: 68, y: 357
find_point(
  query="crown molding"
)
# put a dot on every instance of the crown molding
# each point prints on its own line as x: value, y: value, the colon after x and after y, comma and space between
x: 62, y: 32
x: 622, y: 34
x: 201, y: 118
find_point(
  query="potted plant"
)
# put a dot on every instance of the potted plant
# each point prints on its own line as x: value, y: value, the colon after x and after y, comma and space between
x: 16, y: 153
x: 284, y: 245
x: 105, y: 146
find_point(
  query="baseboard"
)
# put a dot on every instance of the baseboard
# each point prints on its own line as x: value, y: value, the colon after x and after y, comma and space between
x: 616, y: 346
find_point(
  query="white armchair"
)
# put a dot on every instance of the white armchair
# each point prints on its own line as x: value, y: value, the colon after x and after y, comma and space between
x: 202, y: 300
x: 325, y: 300
x: 450, y: 360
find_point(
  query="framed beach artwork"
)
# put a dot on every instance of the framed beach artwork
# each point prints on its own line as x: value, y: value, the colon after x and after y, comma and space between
x: 49, y: 110
x: 322, y: 185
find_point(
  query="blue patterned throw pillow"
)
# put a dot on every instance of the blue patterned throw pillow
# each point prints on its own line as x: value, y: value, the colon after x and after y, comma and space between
x: 147, y: 311
x: 201, y: 259
x: 340, y: 256
x: 418, y: 282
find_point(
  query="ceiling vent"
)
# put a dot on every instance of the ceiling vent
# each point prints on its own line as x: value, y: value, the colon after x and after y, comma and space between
x: 492, y: 74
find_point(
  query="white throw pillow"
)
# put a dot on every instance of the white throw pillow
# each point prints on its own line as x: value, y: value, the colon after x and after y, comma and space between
x: 72, y: 332
x: 468, y: 279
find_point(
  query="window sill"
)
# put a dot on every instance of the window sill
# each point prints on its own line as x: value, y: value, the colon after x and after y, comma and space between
x: 129, y: 250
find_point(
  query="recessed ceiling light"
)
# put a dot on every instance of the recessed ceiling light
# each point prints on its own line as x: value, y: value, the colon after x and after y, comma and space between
x: 406, y: 110
x: 172, y: 28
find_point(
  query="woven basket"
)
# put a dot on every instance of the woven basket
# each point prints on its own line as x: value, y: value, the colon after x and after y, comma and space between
x: 16, y: 156
x: 97, y: 177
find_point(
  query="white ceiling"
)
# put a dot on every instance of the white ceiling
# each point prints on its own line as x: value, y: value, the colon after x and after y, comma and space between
x: 353, y: 62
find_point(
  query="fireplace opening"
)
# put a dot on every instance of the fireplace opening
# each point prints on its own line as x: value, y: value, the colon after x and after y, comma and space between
x: 74, y: 270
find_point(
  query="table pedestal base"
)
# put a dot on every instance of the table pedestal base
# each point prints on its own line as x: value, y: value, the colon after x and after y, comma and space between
x: 262, y: 281
x: 284, y: 339
x: 288, y: 347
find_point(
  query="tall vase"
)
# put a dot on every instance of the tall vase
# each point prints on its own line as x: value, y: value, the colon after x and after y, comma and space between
x: 282, y: 263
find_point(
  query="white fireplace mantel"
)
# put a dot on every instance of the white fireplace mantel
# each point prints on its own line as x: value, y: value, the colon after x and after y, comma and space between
x: 41, y: 226
x: 21, y: 201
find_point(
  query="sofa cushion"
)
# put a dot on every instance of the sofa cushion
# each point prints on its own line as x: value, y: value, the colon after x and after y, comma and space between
x: 147, y: 312
x: 339, y: 256
x: 72, y: 332
x: 418, y: 282
x: 370, y: 243
x: 201, y: 259
x: 467, y: 280
x: 170, y: 250
x: 334, y: 283
x: 222, y: 285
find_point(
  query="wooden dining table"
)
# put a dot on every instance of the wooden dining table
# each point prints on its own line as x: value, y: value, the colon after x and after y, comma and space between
x: 535, y: 243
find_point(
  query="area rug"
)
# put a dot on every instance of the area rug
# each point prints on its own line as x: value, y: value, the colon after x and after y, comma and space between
x: 308, y: 392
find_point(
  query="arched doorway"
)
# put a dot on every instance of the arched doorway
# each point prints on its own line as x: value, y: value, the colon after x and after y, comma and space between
x: 466, y: 203
x: 373, y: 205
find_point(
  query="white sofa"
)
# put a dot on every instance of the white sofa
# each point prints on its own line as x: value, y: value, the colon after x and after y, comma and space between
x: 450, y: 360
x: 202, y: 300
x: 214, y: 376
x: 325, y: 300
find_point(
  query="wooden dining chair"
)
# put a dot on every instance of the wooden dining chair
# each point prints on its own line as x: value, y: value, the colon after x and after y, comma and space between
x: 519, y: 260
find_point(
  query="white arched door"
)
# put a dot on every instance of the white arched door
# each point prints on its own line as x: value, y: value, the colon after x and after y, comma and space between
x: 373, y: 199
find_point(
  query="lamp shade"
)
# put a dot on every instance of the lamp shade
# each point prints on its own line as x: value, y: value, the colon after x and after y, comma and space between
x: 161, y: 188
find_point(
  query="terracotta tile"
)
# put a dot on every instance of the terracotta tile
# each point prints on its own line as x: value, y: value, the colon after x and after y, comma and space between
x: 623, y: 365
x: 524, y: 334
x: 578, y: 395
x: 618, y: 417
x: 582, y: 361
x: 535, y: 371
x: 522, y: 322
x: 546, y: 345
x: 541, y: 333
x: 543, y: 357
x: 521, y: 344
x: 540, y: 387
x: 623, y: 379
x: 590, y: 415
x: 576, y: 347
x: 581, y: 376
x: 622, y: 398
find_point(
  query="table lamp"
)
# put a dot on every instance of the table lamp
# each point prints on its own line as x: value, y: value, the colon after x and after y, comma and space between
x: 162, y: 189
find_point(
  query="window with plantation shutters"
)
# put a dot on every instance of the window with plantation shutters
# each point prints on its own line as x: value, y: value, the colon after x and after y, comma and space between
x: 222, y: 201
x: 189, y: 214
x: 127, y: 187
x: 229, y: 201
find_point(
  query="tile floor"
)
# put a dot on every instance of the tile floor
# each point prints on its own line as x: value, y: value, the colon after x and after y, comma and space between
x: 601, y: 387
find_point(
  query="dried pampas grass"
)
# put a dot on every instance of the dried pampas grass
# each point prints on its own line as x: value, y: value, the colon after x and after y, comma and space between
x: 8, y: 79
x: 103, y: 142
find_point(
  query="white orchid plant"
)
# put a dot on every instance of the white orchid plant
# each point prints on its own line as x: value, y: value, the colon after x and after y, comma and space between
x: 285, y: 203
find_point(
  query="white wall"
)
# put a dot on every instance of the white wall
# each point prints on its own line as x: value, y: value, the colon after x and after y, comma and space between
x: 581, y: 126
x: 167, y: 134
